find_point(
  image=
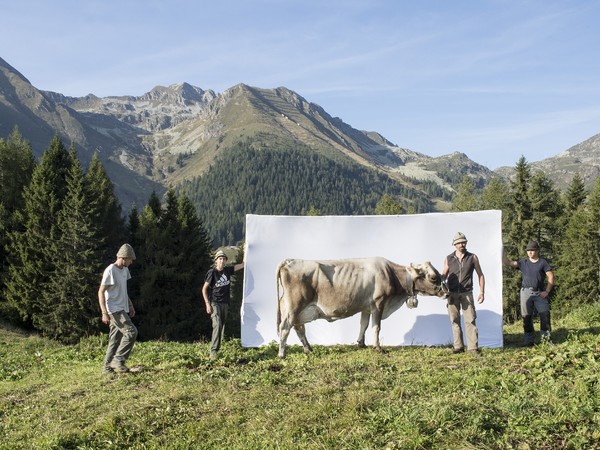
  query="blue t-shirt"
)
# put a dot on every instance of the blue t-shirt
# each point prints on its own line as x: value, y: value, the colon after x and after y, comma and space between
x: 534, y: 273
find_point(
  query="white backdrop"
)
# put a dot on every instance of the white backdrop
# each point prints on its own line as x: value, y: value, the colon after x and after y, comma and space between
x: 403, y: 239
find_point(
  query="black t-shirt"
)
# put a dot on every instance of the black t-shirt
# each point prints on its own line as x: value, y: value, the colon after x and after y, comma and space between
x: 219, y: 283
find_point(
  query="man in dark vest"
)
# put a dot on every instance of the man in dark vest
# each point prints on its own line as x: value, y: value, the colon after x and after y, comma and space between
x: 458, y: 268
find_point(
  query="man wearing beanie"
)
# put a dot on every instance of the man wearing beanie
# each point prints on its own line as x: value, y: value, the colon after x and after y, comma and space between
x: 536, y: 271
x: 458, y: 268
x: 117, y: 311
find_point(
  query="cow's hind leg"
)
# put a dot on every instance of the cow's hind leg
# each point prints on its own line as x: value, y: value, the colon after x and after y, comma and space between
x: 301, y: 332
x: 284, y: 331
x: 364, y: 323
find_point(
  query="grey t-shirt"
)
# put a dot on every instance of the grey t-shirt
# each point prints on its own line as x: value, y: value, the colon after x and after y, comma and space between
x: 116, y: 296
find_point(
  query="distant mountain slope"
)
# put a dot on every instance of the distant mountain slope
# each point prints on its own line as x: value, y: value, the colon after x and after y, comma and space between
x: 248, y: 179
x: 175, y: 133
x: 41, y: 115
x: 583, y: 158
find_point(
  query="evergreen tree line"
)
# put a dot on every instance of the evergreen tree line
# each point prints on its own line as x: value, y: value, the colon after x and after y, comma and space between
x: 61, y: 226
x: 287, y: 181
x: 566, y: 225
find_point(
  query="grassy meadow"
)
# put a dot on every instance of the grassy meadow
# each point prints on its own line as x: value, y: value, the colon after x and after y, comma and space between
x: 546, y: 397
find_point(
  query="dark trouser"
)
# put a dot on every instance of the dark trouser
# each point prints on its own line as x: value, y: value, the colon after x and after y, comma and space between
x: 121, y: 337
x: 530, y: 299
x: 218, y: 316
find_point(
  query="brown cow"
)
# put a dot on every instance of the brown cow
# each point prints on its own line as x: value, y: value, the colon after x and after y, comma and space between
x: 337, y: 289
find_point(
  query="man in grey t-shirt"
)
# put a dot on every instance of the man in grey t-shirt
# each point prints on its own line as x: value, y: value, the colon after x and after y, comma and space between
x: 117, y: 311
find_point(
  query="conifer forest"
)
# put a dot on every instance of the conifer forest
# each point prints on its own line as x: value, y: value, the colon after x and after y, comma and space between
x: 61, y: 225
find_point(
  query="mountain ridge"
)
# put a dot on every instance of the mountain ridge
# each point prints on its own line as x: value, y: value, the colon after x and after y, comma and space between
x: 174, y: 133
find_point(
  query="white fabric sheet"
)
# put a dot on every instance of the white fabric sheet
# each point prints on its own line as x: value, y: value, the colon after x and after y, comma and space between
x: 403, y: 239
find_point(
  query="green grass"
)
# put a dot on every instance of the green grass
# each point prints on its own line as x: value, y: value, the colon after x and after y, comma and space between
x: 341, y: 397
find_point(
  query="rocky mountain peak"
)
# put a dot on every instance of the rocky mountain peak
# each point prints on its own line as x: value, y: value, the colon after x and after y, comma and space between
x: 175, y: 132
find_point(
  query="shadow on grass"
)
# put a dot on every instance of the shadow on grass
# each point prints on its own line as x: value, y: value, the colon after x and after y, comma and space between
x: 269, y: 352
x: 559, y: 336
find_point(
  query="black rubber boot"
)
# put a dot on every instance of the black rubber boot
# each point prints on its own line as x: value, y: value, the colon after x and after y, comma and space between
x: 545, y: 325
x: 528, y: 331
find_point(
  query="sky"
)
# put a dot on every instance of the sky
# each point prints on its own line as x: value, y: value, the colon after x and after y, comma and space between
x: 494, y: 79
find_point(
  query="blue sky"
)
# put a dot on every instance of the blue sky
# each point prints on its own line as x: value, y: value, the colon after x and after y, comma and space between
x: 495, y: 79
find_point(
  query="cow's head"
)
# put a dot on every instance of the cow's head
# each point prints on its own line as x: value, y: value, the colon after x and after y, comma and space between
x: 427, y: 280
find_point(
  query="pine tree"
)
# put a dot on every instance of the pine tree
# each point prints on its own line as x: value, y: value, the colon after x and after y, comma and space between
x: 196, y: 249
x: 465, y: 198
x: 494, y: 195
x: 519, y: 230
x: 520, y: 207
x: 16, y: 167
x: 575, y: 195
x: 144, y: 276
x: 233, y: 325
x: 154, y: 204
x: 30, y: 260
x: 106, y: 210
x: 312, y: 211
x: 387, y: 206
x: 578, y: 255
x: 175, y: 255
x: 546, y: 209
x: 70, y: 308
x: 576, y: 274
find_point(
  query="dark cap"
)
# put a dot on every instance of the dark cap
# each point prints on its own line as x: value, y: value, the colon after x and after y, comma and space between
x: 533, y: 245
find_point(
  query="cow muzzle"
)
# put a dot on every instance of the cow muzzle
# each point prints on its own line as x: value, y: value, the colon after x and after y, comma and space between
x: 444, y: 289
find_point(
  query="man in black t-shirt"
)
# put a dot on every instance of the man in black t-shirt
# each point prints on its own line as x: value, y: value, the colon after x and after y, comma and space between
x: 535, y: 271
x: 216, y: 292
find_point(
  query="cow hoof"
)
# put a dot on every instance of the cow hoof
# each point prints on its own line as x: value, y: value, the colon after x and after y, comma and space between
x: 307, y: 350
x: 361, y: 345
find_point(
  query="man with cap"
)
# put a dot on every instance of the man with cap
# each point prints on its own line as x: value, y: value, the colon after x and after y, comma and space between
x: 216, y: 292
x: 458, y: 271
x: 117, y: 311
x: 535, y: 271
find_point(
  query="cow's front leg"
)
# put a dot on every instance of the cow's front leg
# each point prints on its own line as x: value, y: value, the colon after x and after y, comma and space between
x: 376, y: 320
x: 364, y: 324
x: 301, y: 332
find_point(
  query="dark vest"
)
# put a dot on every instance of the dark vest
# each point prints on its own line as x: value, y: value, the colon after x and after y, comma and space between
x: 460, y: 273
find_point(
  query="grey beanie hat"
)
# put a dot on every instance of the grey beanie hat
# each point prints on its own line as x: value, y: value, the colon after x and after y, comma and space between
x: 126, y: 251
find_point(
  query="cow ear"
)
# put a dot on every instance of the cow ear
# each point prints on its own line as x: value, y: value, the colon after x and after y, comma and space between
x: 432, y: 274
x: 413, y: 270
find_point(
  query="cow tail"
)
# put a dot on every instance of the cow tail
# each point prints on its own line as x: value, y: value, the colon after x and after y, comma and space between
x: 278, y: 296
